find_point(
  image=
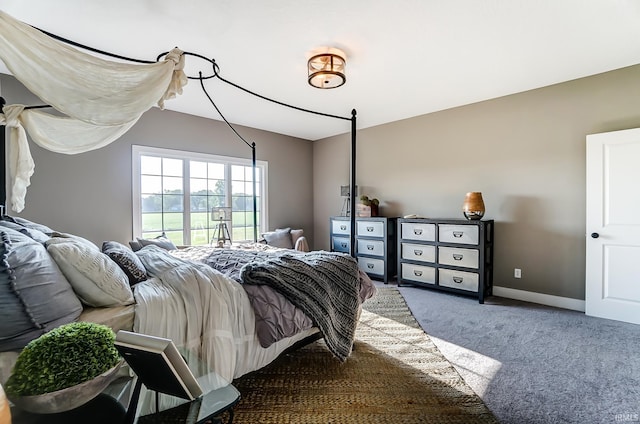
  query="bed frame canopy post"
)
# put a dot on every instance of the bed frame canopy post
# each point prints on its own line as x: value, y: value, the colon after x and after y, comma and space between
x: 3, y: 161
x: 352, y: 245
x: 255, y: 192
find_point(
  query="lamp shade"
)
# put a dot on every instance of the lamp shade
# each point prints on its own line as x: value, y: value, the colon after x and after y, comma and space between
x: 221, y: 214
x: 327, y: 70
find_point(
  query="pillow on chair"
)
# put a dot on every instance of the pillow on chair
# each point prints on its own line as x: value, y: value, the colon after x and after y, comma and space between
x: 279, y: 238
x: 287, y: 238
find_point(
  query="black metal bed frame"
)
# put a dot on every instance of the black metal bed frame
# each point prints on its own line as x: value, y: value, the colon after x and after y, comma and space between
x: 252, y: 145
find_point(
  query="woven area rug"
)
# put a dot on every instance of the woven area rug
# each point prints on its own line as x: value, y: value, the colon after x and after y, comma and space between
x: 395, y: 374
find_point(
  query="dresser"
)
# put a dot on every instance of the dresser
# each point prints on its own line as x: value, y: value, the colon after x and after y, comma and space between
x: 453, y: 255
x: 376, y: 243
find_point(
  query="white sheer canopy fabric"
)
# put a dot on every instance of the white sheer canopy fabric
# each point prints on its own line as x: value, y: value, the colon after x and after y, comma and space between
x: 101, y: 99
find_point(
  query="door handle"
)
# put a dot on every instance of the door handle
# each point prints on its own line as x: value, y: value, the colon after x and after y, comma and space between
x: 595, y: 235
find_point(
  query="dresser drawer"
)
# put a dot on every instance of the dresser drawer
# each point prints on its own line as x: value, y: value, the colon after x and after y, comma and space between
x: 371, y: 266
x: 340, y: 227
x: 458, y: 279
x: 418, y: 252
x: 370, y: 228
x: 467, y: 258
x: 371, y: 247
x: 420, y: 273
x: 340, y: 244
x: 418, y: 231
x: 463, y: 234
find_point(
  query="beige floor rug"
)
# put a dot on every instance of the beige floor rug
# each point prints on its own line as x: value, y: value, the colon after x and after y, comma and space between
x: 395, y: 374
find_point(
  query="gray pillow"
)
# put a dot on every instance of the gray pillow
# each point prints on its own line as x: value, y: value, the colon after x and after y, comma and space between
x: 27, y: 224
x: 160, y: 241
x: 279, y: 238
x: 127, y: 260
x: 135, y: 245
x: 37, y: 235
x: 35, y: 297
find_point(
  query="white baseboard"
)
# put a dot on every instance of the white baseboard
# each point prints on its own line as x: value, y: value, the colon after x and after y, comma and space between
x: 543, y: 299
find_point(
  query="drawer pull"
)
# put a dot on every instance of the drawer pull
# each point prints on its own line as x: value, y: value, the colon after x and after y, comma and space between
x: 417, y: 252
x: 370, y: 229
x: 370, y: 246
x: 457, y: 257
x: 344, y: 245
x: 343, y: 227
x: 457, y: 280
x: 370, y: 266
x: 417, y: 231
x: 417, y: 273
x: 458, y: 234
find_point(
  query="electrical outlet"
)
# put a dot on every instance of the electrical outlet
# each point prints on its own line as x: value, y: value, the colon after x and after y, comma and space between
x: 517, y: 273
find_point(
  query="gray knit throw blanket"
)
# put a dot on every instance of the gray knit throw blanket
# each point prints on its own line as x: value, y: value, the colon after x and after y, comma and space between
x: 324, y: 285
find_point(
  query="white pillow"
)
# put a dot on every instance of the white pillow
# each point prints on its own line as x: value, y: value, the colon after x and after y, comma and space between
x: 74, y: 238
x: 97, y: 280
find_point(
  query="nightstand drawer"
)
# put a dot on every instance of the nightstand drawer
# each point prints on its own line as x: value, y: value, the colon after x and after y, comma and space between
x: 418, y: 252
x: 371, y: 247
x: 463, y: 234
x: 458, y: 279
x: 340, y: 227
x: 340, y: 244
x: 370, y: 228
x: 468, y: 258
x: 418, y: 231
x: 371, y: 266
x: 420, y: 273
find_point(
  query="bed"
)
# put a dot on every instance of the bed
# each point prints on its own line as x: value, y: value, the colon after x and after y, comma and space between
x: 229, y: 311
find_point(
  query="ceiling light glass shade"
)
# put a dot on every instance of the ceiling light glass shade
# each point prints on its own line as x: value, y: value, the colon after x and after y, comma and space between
x: 326, y: 70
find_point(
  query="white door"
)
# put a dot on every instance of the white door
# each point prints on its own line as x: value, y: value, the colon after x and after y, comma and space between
x: 613, y: 226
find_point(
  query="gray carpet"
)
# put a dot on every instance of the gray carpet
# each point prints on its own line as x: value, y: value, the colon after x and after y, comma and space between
x: 536, y: 364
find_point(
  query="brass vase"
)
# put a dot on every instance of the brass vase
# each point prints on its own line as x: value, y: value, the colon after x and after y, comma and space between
x: 473, y: 206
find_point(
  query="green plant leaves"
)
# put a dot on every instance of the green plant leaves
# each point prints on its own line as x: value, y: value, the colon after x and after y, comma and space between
x: 67, y: 355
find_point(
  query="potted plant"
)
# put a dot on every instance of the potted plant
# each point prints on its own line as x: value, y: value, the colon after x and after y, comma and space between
x: 64, y: 368
x: 368, y: 207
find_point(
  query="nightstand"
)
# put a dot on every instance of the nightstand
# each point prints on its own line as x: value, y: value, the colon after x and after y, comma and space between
x: 211, y: 407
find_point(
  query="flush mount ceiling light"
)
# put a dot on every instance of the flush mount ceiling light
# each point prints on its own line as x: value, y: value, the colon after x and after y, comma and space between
x: 326, y: 70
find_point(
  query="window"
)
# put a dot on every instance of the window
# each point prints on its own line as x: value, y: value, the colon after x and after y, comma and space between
x: 175, y: 191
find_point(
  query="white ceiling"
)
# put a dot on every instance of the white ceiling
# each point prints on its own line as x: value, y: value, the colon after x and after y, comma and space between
x: 404, y: 57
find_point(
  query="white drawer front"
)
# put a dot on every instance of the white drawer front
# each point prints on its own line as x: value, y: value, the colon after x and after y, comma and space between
x: 371, y: 266
x: 340, y: 227
x: 463, y: 234
x: 341, y: 244
x: 370, y: 228
x: 423, y: 274
x: 458, y: 279
x: 371, y: 247
x: 418, y: 252
x: 418, y: 231
x: 468, y: 258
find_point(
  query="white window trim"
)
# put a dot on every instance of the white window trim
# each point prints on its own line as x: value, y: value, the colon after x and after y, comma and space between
x: 138, y: 150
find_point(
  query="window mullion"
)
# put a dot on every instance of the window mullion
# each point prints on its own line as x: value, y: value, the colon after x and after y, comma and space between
x: 186, y: 188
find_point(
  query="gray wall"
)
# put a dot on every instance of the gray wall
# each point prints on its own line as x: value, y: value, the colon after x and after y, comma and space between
x: 90, y: 194
x: 524, y: 152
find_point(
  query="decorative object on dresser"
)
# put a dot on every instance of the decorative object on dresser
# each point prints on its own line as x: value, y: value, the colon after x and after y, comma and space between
x: 473, y: 206
x: 375, y: 244
x: 448, y: 254
x: 367, y: 207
